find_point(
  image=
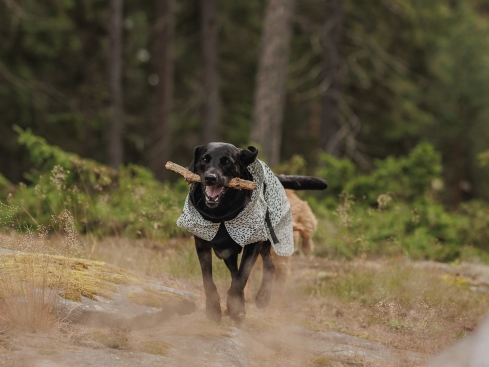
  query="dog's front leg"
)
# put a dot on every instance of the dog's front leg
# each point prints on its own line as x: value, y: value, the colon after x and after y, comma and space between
x: 235, y: 301
x: 212, y: 300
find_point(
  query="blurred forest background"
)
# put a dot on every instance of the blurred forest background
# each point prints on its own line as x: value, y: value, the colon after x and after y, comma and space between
x: 380, y: 97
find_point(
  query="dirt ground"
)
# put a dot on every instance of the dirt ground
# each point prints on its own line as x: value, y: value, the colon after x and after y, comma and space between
x: 333, y: 313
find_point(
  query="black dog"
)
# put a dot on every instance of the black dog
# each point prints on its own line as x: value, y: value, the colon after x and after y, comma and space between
x: 217, y: 164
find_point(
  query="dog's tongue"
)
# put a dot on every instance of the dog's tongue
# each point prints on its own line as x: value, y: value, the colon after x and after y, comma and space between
x: 213, y: 191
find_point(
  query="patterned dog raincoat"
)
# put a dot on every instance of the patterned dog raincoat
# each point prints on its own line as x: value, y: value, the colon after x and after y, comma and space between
x: 266, y: 217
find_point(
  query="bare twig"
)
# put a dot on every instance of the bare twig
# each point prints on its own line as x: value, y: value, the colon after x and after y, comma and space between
x: 190, y: 177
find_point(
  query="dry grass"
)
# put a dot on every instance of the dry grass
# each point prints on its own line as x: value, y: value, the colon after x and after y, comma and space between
x: 31, y: 284
x: 142, y: 255
x: 172, y: 261
x: 38, y: 270
x: 28, y: 292
x: 394, y: 303
x: 111, y: 338
x: 400, y: 305
x: 70, y: 278
x: 31, y: 277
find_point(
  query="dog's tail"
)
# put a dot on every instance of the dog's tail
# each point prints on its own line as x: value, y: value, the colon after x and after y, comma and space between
x: 302, y: 182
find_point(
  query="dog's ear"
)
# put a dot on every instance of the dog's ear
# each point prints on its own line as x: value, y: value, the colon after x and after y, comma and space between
x: 248, y: 156
x: 197, y: 154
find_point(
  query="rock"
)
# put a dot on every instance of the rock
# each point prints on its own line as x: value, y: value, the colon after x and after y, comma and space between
x: 435, y: 265
x: 478, y: 272
x: 472, y: 351
x: 91, y: 292
x: 340, y: 346
x: 9, y: 252
x: 131, y: 307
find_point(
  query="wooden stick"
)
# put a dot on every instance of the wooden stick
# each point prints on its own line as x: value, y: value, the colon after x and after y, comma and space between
x: 190, y: 177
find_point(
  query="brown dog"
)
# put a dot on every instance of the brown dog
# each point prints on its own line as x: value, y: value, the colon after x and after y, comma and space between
x: 305, y: 224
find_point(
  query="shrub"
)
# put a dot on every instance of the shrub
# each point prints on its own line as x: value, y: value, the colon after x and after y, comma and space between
x: 103, y: 201
x: 391, y: 211
x: 337, y: 172
x: 296, y: 165
x: 406, y: 178
x: 420, y: 230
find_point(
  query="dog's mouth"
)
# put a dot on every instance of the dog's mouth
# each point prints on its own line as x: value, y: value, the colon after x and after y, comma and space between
x: 213, y: 195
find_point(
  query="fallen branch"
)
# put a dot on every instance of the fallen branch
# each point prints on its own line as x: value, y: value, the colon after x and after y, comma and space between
x: 190, y: 177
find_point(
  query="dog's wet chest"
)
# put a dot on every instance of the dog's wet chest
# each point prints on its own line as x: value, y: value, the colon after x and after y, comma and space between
x: 223, y: 245
x: 223, y: 238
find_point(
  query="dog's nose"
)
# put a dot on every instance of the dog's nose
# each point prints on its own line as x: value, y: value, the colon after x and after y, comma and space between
x: 210, y: 179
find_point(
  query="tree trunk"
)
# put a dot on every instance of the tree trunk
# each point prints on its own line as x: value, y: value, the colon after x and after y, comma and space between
x: 269, y: 96
x: 332, y: 62
x: 116, y: 124
x: 163, y: 58
x: 211, y: 105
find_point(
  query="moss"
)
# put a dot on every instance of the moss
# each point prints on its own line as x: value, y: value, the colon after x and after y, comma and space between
x: 456, y: 280
x: 121, y: 339
x: 322, y: 361
x: 146, y: 299
x: 332, y: 324
x: 154, y: 346
x: 151, y: 297
x: 111, y: 338
x: 75, y: 278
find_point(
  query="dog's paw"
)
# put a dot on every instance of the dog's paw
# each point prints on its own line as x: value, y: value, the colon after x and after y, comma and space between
x: 213, y: 314
x: 263, y: 296
x: 236, y: 306
x: 213, y: 310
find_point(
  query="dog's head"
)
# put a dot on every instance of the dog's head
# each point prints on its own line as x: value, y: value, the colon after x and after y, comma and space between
x: 217, y: 164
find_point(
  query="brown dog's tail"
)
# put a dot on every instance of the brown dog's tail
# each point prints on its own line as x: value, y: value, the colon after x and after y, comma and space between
x: 302, y: 182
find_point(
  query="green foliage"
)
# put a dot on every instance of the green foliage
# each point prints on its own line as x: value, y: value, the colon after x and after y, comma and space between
x: 5, y: 186
x: 103, y: 201
x: 418, y: 231
x: 394, y: 211
x: 43, y: 154
x: 337, y: 172
x: 405, y: 178
x: 412, y: 70
x: 296, y: 165
x: 483, y: 158
x: 474, y: 224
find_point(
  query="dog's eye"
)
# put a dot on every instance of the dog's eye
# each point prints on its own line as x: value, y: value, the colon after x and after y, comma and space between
x: 204, y: 160
x: 226, y: 161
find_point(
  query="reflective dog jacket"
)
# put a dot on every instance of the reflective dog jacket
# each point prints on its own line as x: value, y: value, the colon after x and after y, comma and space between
x: 266, y: 217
